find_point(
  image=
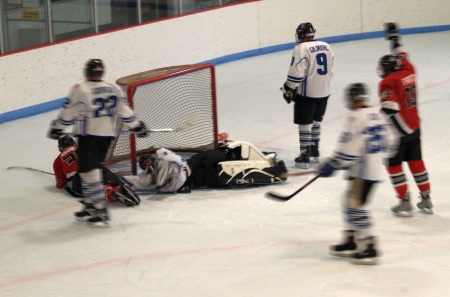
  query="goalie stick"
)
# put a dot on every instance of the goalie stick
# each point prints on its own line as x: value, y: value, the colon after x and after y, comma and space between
x: 32, y: 169
x: 278, y: 197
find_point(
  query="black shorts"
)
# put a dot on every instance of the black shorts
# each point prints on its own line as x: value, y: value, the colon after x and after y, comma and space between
x: 410, y: 149
x: 92, y: 152
x: 307, y: 110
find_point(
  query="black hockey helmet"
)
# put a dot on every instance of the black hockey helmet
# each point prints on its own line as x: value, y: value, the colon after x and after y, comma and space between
x: 94, y: 68
x: 65, y: 141
x: 355, y: 92
x: 304, y: 30
x: 387, y: 64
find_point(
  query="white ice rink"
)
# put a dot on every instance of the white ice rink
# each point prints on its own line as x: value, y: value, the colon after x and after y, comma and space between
x: 235, y: 243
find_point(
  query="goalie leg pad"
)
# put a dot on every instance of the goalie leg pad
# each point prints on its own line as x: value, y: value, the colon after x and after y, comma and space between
x: 250, y: 172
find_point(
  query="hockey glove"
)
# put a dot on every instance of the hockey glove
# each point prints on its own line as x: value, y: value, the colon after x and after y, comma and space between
x: 328, y: 168
x: 288, y: 93
x: 140, y: 130
x: 391, y: 31
x: 53, y: 132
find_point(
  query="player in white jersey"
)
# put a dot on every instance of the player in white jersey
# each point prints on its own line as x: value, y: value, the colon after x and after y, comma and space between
x: 308, y: 86
x: 92, y: 107
x: 166, y: 173
x: 363, y: 145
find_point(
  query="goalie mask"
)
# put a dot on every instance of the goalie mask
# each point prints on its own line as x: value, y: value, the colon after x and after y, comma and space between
x: 65, y: 141
x: 94, y: 68
x: 146, y: 161
x: 303, y: 31
x: 354, y: 93
x: 387, y: 64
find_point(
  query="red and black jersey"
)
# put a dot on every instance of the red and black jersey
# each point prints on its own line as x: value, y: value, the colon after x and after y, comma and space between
x: 65, y: 167
x: 398, y: 96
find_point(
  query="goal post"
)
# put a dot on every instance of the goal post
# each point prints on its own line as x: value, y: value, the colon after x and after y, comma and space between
x: 179, y: 101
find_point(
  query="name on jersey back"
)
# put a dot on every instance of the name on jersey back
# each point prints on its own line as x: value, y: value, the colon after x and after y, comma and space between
x: 318, y: 48
x: 101, y: 90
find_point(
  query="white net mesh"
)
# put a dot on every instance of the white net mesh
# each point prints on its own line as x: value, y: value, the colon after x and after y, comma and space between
x: 179, y: 97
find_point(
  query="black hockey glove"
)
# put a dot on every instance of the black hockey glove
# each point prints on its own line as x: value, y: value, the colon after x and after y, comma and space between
x: 288, y: 93
x: 391, y: 31
x: 140, y: 130
x: 54, y: 133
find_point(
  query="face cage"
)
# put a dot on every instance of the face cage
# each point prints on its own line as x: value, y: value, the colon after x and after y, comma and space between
x: 380, y: 71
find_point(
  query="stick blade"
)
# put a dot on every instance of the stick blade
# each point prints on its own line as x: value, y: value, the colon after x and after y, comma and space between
x: 276, y: 197
x: 29, y: 168
x: 189, y: 123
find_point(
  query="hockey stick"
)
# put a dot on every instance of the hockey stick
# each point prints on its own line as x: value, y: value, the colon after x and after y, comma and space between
x: 299, y: 173
x: 186, y: 125
x: 286, y: 198
x: 32, y: 169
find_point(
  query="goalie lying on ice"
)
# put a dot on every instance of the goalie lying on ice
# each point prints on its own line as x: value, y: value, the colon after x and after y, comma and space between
x: 232, y: 163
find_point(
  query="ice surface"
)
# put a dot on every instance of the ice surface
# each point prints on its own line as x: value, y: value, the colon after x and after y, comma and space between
x: 235, y: 243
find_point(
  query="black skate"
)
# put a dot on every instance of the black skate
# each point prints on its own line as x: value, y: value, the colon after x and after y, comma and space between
x: 368, y: 255
x: 85, y: 213
x: 302, y: 161
x: 314, y: 157
x: 100, y: 216
x: 347, y: 248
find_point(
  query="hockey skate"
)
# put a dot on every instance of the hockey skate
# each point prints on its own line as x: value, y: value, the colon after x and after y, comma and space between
x: 404, y: 208
x: 368, y: 255
x: 314, y: 158
x: 347, y: 248
x: 425, y: 204
x: 85, y: 213
x: 100, y: 216
x: 302, y: 161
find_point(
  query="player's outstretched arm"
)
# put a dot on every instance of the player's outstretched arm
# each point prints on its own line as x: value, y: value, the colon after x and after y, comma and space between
x: 391, y: 34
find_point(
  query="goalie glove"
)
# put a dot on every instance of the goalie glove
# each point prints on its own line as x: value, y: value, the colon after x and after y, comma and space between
x: 288, y: 93
x: 140, y: 130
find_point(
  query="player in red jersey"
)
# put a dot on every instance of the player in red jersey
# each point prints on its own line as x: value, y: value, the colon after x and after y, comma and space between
x: 65, y: 165
x: 398, y: 96
x: 65, y: 168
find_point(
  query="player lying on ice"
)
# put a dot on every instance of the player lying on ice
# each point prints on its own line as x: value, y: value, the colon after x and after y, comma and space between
x: 232, y: 163
x: 65, y: 168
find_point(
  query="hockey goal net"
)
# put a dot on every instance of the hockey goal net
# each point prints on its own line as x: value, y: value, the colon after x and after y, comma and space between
x: 178, y: 102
